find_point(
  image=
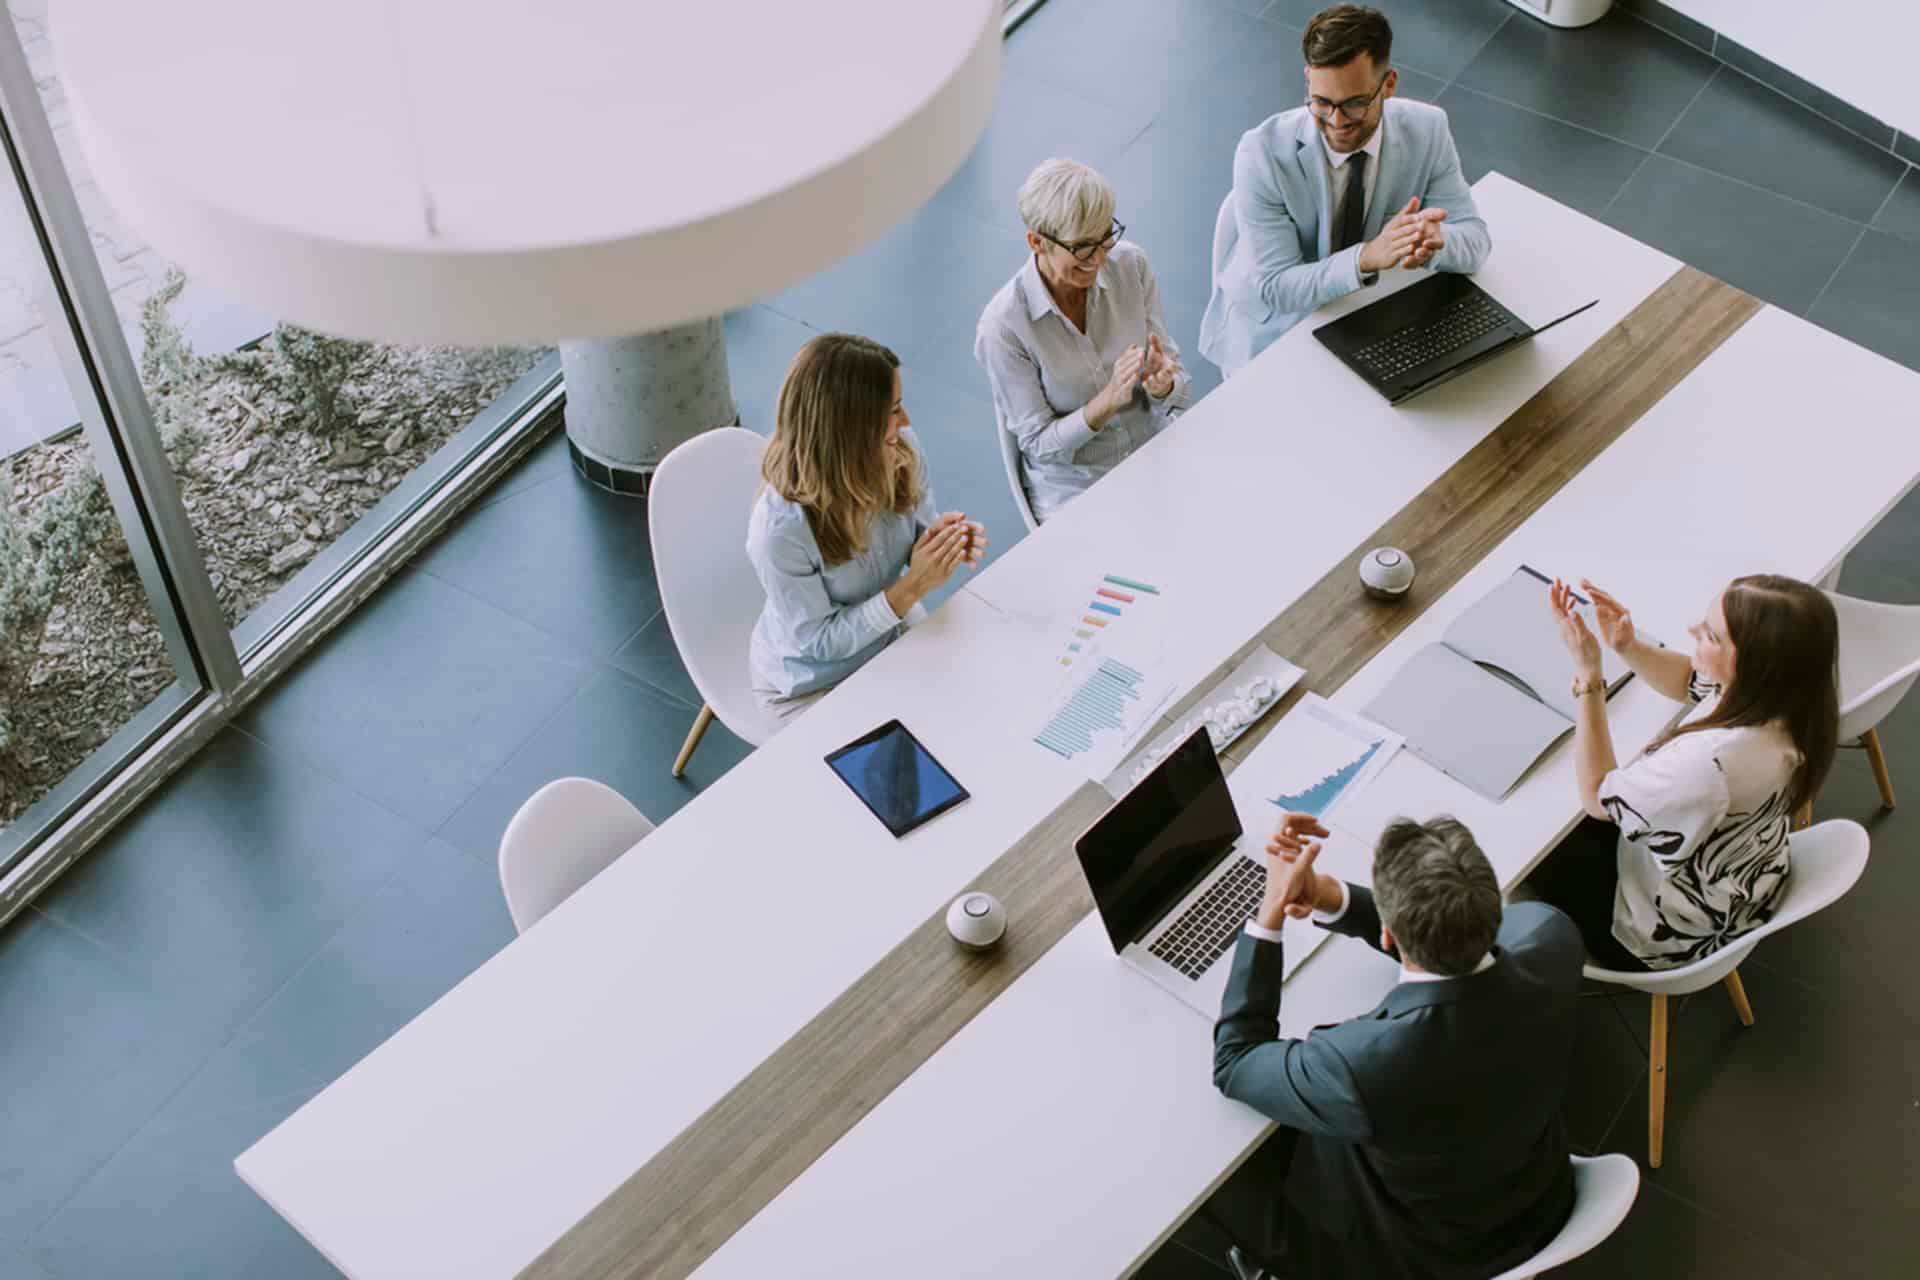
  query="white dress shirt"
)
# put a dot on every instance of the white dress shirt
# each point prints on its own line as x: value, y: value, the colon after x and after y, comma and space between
x: 1337, y: 171
x: 1328, y: 917
x: 1043, y: 369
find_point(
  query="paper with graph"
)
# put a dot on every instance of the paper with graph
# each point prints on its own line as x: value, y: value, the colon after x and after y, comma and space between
x: 1110, y: 697
x: 1317, y: 756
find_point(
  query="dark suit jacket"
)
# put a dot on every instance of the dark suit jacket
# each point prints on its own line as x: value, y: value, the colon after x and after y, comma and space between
x: 1431, y: 1143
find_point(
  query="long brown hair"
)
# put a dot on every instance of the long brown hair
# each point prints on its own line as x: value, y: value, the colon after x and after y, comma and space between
x: 827, y: 453
x: 1786, y: 644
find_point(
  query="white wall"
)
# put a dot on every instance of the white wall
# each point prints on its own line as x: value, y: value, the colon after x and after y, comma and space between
x: 1789, y: 33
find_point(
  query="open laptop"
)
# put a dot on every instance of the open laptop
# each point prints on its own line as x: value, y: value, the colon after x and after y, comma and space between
x: 1428, y: 333
x: 1170, y: 878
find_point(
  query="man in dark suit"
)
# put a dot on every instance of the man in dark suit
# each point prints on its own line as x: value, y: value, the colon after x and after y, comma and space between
x: 1421, y: 1139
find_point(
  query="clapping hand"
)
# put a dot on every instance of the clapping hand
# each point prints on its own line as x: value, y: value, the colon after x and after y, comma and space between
x: 1127, y: 372
x: 1160, y: 370
x: 1616, y: 624
x: 1292, y: 884
x: 973, y: 535
x: 1581, y: 643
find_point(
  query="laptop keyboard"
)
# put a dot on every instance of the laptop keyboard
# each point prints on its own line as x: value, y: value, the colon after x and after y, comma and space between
x: 1204, y: 933
x: 1460, y: 322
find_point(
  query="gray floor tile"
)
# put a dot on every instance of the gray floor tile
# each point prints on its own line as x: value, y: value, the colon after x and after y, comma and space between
x: 1778, y: 78
x: 1175, y: 182
x: 761, y: 344
x: 1783, y: 251
x: 616, y: 731
x: 1175, y: 1261
x: 1570, y: 164
x: 1745, y: 130
x: 1798, y: 1130
x: 420, y: 695
x: 1126, y: 53
x: 905, y: 289
x: 1901, y: 214
x: 1875, y: 300
x: 1861, y: 943
x: 18, y: 1266
x: 1665, y: 1238
x: 541, y: 464
x: 88, y: 1055
x: 1608, y: 1064
x: 652, y: 657
x: 1438, y: 37
x: 438, y: 920
x: 196, y: 1217
x: 1033, y: 120
x: 223, y: 884
x: 1672, y: 21
x: 511, y: 553
x: 1583, y: 75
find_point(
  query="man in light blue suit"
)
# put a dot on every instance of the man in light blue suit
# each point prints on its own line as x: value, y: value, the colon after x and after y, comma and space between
x: 1328, y: 195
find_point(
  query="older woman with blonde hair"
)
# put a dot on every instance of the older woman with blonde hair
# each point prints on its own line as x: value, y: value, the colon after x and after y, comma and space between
x: 844, y: 535
x: 1082, y: 368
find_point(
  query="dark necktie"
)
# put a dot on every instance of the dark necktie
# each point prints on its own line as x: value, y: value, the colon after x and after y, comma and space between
x: 1353, y: 209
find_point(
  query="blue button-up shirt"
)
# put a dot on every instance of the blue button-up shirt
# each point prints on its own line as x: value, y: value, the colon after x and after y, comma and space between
x: 821, y: 621
x: 1044, y: 370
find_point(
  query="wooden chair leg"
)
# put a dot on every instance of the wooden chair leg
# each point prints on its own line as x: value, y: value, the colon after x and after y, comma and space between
x: 1737, y: 992
x: 700, y: 723
x: 1657, y: 1083
x: 1878, y: 759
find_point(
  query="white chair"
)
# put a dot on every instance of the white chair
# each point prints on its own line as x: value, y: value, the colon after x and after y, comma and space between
x: 1879, y: 662
x: 563, y: 836
x: 1010, y: 457
x: 697, y: 510
x: 1826, y: 860
x: 1604, y: 1189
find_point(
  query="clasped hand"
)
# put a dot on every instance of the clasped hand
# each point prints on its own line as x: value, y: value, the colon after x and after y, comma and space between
x: 1410, y: 239
x: 1294, y: 888
x: 1150, y: 367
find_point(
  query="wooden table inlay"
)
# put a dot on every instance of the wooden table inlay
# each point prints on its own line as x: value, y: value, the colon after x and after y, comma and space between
x: 682, y: 1205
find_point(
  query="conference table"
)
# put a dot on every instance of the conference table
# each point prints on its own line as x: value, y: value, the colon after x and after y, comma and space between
x: 749, y: 1048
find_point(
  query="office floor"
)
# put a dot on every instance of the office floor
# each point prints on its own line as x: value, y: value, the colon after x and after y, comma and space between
x: 325, y: 869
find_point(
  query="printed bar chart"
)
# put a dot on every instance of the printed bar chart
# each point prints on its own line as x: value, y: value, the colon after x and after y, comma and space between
x: 1098, y: 707
x: 1111, y: 601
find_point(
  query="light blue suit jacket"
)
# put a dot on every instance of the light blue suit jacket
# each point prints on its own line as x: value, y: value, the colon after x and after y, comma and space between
x: 1271, y: 260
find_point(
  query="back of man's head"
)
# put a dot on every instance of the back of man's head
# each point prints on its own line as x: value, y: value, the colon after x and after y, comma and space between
x: 1337, y: 35
x: 1437, y: 894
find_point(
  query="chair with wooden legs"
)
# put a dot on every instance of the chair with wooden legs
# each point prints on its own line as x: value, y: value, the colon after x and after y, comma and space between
x: 697, y: 508
x: 1879, y: 663
x: 1827, y: 859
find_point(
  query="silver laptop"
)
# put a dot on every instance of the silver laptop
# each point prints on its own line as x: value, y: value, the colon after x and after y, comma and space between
x: 1170, y: 877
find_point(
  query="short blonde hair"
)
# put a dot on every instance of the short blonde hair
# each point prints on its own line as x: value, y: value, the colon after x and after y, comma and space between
x: 1066, y: 200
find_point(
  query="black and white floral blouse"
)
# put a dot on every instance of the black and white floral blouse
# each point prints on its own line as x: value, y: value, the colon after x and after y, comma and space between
x: 1703, y: 837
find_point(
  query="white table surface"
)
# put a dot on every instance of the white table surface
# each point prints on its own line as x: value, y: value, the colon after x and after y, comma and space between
x: 482, y: 1130
x: 1069, y: 1127
x: 703, y: 154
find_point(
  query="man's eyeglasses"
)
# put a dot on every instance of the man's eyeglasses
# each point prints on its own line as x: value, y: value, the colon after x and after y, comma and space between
x: 1352, y: 108
x: 1084, y: 250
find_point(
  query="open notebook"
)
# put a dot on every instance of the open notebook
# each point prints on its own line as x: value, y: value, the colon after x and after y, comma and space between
x: 1490, y: 699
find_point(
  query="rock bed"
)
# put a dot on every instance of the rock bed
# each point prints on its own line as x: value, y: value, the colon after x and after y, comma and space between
x: 264, y: 495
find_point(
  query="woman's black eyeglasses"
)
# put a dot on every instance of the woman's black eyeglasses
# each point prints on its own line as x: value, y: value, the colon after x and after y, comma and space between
x: 1085, y: 249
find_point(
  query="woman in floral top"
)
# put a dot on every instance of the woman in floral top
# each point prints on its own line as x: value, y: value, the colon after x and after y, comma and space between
x: 1686, y: 848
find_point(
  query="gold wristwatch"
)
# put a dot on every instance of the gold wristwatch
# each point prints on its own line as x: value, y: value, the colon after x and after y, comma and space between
x: 1581, y: 688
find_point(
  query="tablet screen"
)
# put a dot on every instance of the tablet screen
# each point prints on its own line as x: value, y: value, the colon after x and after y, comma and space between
x: 897, y: 777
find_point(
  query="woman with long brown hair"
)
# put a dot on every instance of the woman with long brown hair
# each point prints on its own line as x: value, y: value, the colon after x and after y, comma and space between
x: 844, y: 535
x: 1686, y: 848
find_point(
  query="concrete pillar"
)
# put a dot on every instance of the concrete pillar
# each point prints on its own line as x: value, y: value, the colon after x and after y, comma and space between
x: 631, y: 400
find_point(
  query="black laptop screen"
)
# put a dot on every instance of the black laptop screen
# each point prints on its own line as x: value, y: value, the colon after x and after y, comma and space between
x: 1159, y: 841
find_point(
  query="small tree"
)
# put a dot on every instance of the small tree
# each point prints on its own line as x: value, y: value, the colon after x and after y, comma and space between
x: 313, y: 371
